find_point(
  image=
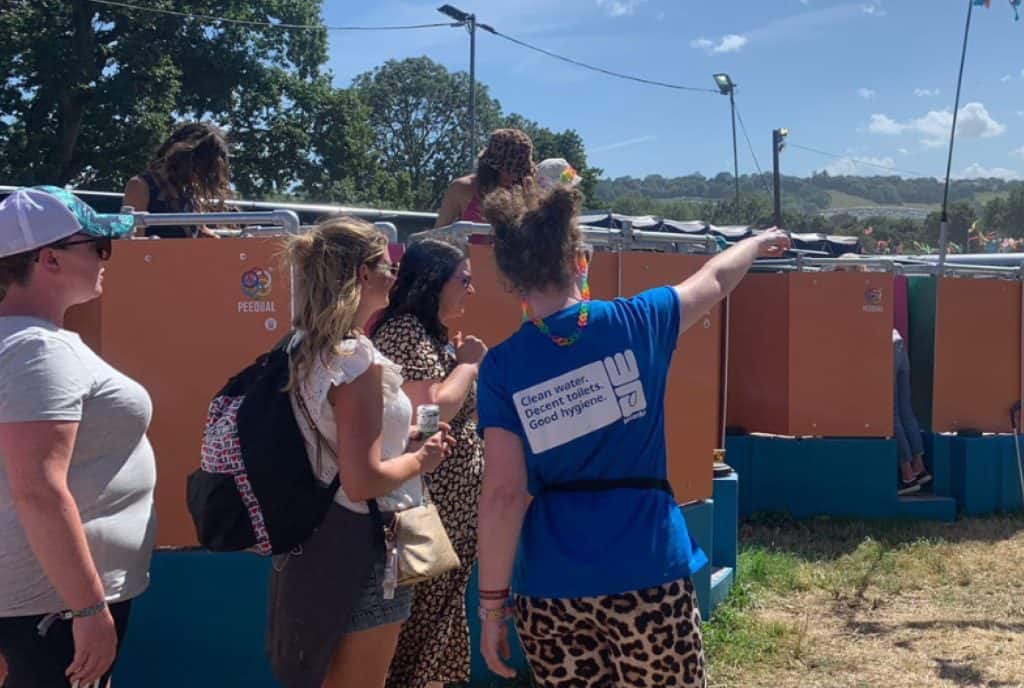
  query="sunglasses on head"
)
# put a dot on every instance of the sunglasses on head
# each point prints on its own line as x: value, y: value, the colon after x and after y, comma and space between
x: 104, y: 246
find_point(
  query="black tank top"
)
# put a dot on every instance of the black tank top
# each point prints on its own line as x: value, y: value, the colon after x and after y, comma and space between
x: 159, y: 204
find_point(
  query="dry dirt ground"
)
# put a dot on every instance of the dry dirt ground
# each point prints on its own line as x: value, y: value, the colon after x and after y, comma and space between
x: 852, y: 604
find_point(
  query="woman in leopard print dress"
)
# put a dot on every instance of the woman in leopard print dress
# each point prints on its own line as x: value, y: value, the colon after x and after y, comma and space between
x: 433, y: 282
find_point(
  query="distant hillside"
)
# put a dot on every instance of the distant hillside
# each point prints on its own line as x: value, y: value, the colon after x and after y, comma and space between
x: 820, y: 193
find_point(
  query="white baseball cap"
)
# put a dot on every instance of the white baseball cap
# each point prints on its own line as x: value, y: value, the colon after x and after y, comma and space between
x: 37, y: 217
x: 555, y: 171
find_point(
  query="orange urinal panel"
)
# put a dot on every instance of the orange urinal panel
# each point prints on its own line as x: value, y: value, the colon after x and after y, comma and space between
x: 176, y: 316
x: 977, y: 372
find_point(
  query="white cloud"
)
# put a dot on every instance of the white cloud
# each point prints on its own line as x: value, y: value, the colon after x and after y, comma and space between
x: 883, y: 124
x: 620, y: 8
x: 1020, y: 113
x: 874, y: 8
x: 859, y: 166
x: 1007, y: 78
x: 903, y: 151
x: 976, y: 171
x: 974, y: 122
x: 866, y: 93
x: 622, y: 144
x: 729, y: 43
x: 926, y: 92
x: 1018, y: 153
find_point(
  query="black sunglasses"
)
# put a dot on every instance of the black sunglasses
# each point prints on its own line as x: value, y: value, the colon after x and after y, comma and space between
x: 104, y: 245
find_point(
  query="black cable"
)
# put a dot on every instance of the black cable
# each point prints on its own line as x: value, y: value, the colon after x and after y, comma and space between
x: 608, y: 72
x: 859, y: 160
x: 760, y: 173
x: 270, y: 25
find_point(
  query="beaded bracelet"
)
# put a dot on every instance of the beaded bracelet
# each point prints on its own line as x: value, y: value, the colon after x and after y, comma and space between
x: 499, y: 614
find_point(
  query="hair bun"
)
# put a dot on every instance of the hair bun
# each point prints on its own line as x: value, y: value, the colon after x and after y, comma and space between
x: 561, y: 205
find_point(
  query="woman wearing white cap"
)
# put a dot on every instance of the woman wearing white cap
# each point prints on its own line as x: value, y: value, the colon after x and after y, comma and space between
x: 76, y: 470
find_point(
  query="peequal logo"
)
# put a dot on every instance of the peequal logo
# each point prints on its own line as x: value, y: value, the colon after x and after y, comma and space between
x: 256, y: 286
x: 256, y: 283
x: 873, y: 301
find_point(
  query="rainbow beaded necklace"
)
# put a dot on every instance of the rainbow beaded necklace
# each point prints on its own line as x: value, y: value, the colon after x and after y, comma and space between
x: 581, y: 320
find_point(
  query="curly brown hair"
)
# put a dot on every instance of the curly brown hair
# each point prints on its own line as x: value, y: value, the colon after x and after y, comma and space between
x: 536, y: 240
x: 193, y: 162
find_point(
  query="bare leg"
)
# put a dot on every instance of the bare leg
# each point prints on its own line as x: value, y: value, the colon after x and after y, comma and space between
x: 362, y: 659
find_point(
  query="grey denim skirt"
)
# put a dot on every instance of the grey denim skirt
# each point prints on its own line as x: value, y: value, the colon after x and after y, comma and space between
x: 313, y: 593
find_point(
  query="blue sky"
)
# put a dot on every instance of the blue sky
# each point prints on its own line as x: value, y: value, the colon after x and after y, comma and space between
x: 871, y: 80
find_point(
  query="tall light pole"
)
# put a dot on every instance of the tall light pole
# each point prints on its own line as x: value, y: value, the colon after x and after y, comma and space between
x: 727, y: 88
x: 778, y: 143
x: 469, y: 21
x: 944, y: 218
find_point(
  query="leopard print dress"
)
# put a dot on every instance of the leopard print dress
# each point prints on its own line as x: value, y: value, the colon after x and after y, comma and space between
x: 434, y: 642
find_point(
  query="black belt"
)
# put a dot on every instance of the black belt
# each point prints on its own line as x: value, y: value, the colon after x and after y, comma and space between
x: 603, y: 484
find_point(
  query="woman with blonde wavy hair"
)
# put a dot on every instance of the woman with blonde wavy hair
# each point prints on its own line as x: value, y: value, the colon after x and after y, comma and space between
x: 333, y: 617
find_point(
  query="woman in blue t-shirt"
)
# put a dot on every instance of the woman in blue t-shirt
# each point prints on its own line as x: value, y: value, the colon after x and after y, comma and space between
x: 571, y: 408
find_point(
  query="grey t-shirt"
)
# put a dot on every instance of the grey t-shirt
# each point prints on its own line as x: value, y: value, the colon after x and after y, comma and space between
x: 49, y: 374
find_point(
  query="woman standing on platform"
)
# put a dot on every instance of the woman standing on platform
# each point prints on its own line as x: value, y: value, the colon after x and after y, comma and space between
x: 189, y: 174
x: 428, y: 298
x: 506, y: 162
x: 571, y: 408
x: 77, y: 472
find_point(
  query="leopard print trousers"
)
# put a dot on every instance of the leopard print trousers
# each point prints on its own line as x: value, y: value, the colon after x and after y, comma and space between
x: 644, y: 639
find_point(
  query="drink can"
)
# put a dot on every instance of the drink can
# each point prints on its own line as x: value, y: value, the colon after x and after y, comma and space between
x: 428, y: 419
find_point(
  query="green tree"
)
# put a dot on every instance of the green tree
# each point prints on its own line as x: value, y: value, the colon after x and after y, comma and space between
x: 316, y: 143
x: 88, y: 91
x: 961, y: 216
x: 419, y: 114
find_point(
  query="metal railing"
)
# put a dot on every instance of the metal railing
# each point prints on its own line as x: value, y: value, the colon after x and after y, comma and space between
x: 602, y: 238
x: 276, y: 220
x: 900, y: 265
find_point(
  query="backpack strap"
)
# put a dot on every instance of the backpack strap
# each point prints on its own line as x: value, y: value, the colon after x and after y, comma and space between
x: 604, y: 484
x: 322, y: 442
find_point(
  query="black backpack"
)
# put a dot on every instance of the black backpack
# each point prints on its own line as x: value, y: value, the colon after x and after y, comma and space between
x: 255, y: 489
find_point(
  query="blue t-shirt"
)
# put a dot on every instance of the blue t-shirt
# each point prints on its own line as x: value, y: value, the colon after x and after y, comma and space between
x: 593, y: 410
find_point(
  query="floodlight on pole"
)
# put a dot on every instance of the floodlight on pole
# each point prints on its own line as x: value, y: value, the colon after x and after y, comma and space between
x: 778, y: 143
x: 469, y: 21
x: 727, y: 88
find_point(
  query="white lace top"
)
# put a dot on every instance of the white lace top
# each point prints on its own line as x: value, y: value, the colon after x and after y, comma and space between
x: 355, y: 358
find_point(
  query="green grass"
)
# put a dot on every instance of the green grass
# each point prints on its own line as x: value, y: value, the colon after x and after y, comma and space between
x: 795, y: 575
x: 735, y: 637
x: 812, y: 597
x: 984, y: 197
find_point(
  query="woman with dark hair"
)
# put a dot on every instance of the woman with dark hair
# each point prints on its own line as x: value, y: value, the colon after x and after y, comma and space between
x: 188, y: 174
x: 433, y: 282
x: 506, y: 162
x: 571, y: 408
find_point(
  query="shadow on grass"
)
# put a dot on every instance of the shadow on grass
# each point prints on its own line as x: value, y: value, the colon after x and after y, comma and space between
x: 826, y: 539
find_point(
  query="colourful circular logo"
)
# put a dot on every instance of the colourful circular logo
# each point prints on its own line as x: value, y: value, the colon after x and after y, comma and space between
x: 256, y: 283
